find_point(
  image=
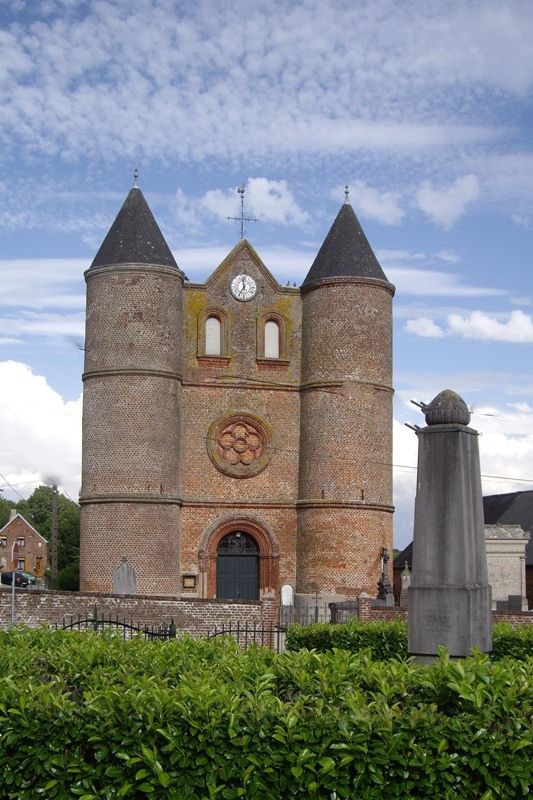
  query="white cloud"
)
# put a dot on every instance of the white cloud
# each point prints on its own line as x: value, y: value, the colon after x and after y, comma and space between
x: 518, y: 327
x: 521, y: 220
x: 41, y: 282
x: 370, y: 202
x: 43, y: 324
x: 193, y: 82
x: 268, y: 200
x: 434, y: 283
x: 423, y: 326
x: 513, y: 327
x: 445, y: 206
x: 41, y: 433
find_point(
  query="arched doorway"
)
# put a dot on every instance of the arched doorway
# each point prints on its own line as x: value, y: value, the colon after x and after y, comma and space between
x: 237, y: 567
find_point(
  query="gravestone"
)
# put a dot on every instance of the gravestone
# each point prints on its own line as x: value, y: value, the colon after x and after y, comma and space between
x: 124, y: 579
x: 449, y: 596
x: 405, y: 583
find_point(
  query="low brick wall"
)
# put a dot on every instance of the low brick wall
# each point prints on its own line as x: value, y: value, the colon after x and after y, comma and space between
x: 369, y: 611
x: 35, y: 607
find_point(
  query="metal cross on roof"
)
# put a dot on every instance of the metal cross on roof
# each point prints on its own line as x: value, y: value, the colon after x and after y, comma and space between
x: 242, y: 219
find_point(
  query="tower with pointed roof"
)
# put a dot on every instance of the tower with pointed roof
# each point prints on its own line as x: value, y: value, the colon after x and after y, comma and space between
x: 236, y: 433
x: 130, y: 496
x: 345, y: 488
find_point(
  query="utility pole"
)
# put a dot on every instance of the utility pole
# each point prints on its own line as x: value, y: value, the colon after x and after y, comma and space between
x: 53, y: 537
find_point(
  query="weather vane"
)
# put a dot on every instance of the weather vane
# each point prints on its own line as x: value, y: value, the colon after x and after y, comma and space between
x: 135, y: 176
x: 242, y: 219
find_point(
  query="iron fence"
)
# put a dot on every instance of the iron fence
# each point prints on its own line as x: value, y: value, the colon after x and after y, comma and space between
x: 247, y: 633
x: 127, y: 629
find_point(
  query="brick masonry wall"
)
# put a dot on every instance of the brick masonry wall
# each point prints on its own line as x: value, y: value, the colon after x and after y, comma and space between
x: 152, y: 400
x: 369, y: 611
x: 345, y: 489
x: 339, y: 549
x: 130, y: 463
x: 146, y: 534
x: 197, y: 617
x: 241, y: 383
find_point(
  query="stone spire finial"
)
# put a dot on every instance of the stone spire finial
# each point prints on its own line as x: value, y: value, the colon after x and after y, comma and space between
x: 346, y: 195
x: 447, y: 408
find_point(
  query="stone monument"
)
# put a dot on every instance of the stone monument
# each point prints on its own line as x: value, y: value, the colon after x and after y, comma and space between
x: 449, y: 595
x: 405, y: 583
x: 124, y: 578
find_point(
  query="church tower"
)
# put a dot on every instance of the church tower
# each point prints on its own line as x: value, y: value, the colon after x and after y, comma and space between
x: 237, y: 433
x: 130, y: 495
x: 345, y: 486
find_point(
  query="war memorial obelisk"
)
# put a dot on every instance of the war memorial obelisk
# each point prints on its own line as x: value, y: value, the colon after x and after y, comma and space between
x: 449, y: 595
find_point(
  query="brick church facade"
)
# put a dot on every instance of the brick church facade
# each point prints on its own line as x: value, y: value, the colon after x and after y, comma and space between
x: 237, y: 434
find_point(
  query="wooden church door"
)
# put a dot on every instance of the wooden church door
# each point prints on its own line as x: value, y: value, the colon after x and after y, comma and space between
x: 238, y: 567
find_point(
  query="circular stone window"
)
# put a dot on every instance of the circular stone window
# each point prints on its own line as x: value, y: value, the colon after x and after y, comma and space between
x: 239, y: 445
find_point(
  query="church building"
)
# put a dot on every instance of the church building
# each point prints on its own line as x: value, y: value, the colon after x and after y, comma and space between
x: 237, y: 434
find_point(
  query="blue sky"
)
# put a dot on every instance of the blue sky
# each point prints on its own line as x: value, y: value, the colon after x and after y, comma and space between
x: 423, y: 109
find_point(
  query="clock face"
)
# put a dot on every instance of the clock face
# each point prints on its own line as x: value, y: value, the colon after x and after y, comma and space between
x: 243, y: 287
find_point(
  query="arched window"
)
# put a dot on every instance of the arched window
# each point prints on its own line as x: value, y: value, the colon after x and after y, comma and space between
x: 271, y: 339
x: 213, y: 336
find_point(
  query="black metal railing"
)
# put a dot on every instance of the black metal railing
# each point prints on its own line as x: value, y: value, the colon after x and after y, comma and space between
x: 127, y: 629
x: 249, y: 633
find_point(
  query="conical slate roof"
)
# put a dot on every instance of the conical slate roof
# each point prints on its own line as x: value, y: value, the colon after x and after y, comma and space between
x: 345, y: 252
x: 134, y: 237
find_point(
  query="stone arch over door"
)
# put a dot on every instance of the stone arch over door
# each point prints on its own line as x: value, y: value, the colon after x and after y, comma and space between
x: 268, y: 553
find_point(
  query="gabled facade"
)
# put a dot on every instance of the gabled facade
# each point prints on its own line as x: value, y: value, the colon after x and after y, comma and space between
x: 31, y: 550
x: 237, y: 433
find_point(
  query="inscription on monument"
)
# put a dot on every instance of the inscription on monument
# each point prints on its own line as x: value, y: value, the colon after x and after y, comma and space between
x: 436, y: 620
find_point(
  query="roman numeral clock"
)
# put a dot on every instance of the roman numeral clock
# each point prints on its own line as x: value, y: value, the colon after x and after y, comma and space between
x: 243, y: 287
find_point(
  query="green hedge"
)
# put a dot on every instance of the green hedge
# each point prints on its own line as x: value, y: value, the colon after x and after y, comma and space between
x: 387, y: 640
x: 84, y: 716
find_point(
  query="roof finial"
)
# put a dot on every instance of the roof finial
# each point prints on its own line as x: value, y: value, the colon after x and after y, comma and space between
x: 346, y: 196
x: 242, y: 219
x: 135, y: 176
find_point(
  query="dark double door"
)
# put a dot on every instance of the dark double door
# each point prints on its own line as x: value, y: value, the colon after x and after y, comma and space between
x: 238, y: 567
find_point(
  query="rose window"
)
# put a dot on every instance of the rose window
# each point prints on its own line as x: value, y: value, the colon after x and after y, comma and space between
x: 238, y: 445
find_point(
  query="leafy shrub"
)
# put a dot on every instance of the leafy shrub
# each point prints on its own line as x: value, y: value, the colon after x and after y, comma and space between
x: 515, y: 642
x: 388, y: 640
x: 93, y: 717
x: 68, y: 578
x: 385, y: 640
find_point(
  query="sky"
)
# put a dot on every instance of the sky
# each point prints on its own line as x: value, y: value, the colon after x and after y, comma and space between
x: 423, y: 109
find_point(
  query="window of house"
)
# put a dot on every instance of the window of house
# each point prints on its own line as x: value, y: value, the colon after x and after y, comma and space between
x: 3, y: 541
x: 213, y: 336
x: 271, y: 339
x: 21, y: 563
x: 21, y: 541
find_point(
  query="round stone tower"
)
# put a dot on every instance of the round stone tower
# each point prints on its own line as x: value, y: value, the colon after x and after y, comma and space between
x: 130, y: 494
x: 345, y: 488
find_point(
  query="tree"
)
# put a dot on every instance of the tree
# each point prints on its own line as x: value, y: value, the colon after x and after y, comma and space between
x: 5, y: 510
x: 37, y: 509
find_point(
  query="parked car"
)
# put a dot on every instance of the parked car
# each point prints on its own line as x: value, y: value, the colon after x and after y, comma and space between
x: 20, y: 580
x: 32, y: 579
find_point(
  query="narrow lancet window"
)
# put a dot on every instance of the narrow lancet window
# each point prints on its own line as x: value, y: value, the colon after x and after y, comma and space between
x: 213, y: 330
x: 271, y: 339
